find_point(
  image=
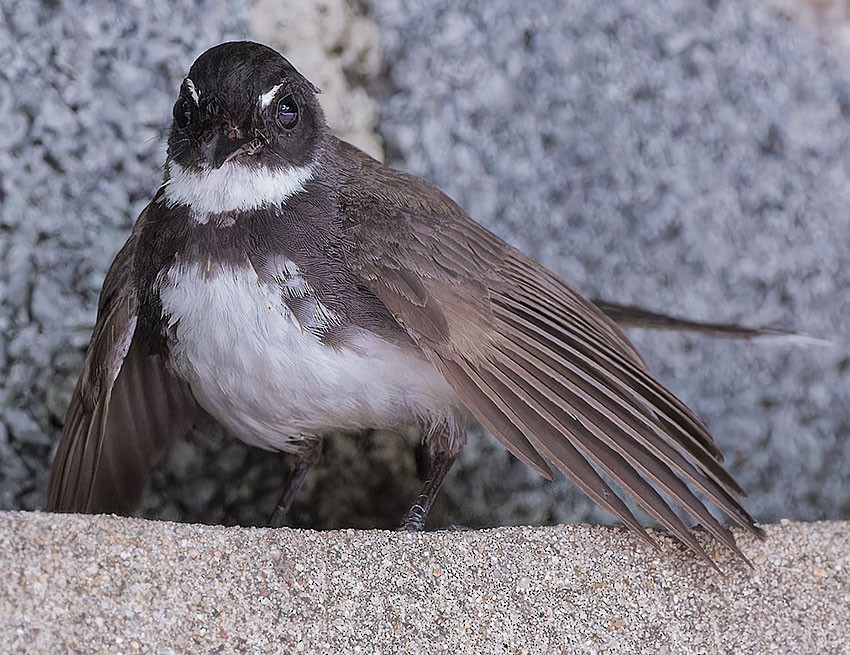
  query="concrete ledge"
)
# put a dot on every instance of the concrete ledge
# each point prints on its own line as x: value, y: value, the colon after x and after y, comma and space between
x: 107, y: 584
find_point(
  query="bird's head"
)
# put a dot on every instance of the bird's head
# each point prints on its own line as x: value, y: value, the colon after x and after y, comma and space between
x: 248, y: 131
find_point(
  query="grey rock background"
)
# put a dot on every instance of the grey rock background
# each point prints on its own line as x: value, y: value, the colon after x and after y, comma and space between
x: 686, y: 156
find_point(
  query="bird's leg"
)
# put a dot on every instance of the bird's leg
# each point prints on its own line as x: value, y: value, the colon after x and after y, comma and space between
x: 290, y: 490
x: 296, y: 478
x: 442, y: 446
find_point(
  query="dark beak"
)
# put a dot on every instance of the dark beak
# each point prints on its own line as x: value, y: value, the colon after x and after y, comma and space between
x: 225, y: 146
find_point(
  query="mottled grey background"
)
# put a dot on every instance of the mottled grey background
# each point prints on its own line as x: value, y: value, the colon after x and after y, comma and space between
x: 688, y: 156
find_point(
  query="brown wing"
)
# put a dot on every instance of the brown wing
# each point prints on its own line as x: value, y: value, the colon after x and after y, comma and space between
x: 539, y: 365
x: 126, y: 408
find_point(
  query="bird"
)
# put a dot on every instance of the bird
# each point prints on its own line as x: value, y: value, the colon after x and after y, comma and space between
x: 289, y: 285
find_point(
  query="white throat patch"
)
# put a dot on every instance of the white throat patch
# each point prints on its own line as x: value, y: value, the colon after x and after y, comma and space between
x: 233, y: 187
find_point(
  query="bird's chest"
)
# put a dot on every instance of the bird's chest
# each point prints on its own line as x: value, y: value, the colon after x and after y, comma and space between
x: 272, y: 382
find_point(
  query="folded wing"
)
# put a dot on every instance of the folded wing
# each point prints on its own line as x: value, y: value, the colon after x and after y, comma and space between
x: 125, y: 409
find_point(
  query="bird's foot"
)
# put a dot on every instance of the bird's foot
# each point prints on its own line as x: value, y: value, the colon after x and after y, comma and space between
x: 414, y: 520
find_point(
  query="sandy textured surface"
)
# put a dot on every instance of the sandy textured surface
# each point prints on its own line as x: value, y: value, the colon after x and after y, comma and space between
x: 101, y: 584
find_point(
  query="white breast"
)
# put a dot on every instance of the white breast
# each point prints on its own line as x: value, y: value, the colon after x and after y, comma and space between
x: 251, y: 366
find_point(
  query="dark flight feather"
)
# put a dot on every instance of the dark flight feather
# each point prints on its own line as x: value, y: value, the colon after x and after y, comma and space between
x: 630, y: 316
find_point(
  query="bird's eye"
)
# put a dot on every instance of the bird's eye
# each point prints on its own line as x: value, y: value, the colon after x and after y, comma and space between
x: 182, y: 112
x: 287, y: 112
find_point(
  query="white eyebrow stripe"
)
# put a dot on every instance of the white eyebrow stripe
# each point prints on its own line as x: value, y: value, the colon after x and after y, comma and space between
x: 193, y: 91
x: 268, y: 96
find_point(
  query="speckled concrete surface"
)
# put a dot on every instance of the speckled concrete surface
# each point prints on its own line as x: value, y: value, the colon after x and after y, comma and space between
x: 109, y: 585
